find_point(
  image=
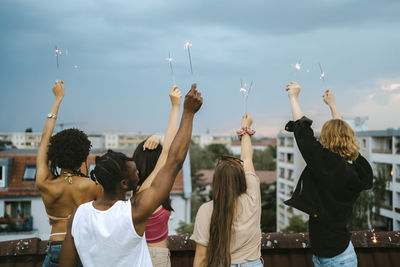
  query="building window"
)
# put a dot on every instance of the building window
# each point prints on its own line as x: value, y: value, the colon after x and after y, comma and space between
x: 30, y: 172
x: 3, y: 176
x: 364, y: 143
x: 282, y: 172
x: 290, y: 174
x: 290, y: 157
x: 17, y: 217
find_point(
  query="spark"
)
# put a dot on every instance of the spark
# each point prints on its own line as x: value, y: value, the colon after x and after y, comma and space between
x: 187, y: 46
x: 170, y: 59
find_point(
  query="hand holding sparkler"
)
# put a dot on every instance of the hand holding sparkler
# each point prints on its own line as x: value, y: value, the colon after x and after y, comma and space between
x: 293, y: 90
x: 329, y: 99
x: 59, y: 90
x: 175, y: 95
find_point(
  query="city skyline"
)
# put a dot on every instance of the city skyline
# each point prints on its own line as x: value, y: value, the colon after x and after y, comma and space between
x: 117, y: 75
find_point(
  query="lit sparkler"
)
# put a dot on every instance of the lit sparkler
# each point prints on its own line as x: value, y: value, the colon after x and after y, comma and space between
x: 322, y: 76
x: 187, y: 46
x: 170, y: 59
x: 245, y: 89
x: 58, y: 52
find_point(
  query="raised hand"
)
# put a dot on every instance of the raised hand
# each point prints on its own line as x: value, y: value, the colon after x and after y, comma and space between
x: 329, y: 98
x: 247, y: 121
x: 293, y: 89
x: 193, y: 100
x: 59, y: 89
x: 175, y: 95
x: 151, y: 143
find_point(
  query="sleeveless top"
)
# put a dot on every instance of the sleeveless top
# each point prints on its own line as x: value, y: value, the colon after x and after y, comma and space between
x: 108, y: 238
x: 157, y: 226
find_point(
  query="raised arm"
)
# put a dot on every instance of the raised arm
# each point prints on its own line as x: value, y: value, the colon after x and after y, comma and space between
x: 329, y: 99
x: 42, y: 170
x: 247, y: 150
x: 175, y: 96
x: 145, y: 202
x: 293, y: 90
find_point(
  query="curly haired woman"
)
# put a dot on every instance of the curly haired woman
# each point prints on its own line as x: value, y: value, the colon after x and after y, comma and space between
x: 331, y: 182
x: 62, y: 193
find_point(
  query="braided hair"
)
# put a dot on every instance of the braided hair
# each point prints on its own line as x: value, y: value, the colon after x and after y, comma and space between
x: 68, y: 149
x: 110, y: 169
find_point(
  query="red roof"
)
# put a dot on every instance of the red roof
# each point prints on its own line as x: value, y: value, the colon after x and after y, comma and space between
x: 267, y: 177
x: 18, y: 187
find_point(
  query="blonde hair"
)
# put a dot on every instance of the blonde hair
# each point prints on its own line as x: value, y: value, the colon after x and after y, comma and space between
x: 337, y: 136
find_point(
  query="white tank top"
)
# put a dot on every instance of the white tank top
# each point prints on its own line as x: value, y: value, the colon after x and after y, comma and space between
x: 108, y: 238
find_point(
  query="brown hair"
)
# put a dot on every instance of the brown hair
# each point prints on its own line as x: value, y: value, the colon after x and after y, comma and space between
x: 229, y: 182
x: 337, y: 136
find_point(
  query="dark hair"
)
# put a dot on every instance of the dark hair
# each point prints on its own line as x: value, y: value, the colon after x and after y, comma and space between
x: 110, y: 169
x: 68, y: 149
x: 229, y: 182
x: 145, y: 163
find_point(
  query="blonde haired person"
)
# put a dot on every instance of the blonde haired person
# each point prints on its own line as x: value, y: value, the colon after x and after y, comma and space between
x: 331, y: 182
x: 227, y: 229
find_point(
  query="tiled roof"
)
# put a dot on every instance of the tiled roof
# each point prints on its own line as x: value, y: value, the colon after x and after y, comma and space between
x: 267, y: 177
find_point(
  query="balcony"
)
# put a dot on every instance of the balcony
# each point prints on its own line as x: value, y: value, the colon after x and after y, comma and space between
x: 291, y: 250
x: 16, y: 225
x: 382, y: 151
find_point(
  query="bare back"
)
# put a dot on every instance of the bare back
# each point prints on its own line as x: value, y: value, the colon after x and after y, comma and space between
x: 61, y: 198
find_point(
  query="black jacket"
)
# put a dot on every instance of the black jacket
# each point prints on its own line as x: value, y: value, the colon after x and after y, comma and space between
x: 327, y: 190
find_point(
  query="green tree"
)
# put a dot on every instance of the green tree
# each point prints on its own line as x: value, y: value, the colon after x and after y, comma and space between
x: 185, y: 228
x: 265, y: 159
x: 296, y: 225
x: 268, y: 207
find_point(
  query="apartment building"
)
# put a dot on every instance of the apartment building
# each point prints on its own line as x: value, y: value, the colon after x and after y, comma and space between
x: 381, y: 148
x: 289, y: 166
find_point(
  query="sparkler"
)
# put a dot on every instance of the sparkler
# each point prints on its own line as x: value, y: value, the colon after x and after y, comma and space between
x: 245, y: 89
x: 322, y: 75
x: 170, y: 59
x: 187, y: 46
x: 58, y: 52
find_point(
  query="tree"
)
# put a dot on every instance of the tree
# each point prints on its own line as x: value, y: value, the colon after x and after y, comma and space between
x: 268, y: 207
x: 296, y: 225
x: 265, y: 159
x: 185, y: 228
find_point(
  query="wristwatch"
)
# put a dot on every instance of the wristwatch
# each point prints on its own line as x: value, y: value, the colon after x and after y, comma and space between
x: 51, y: 116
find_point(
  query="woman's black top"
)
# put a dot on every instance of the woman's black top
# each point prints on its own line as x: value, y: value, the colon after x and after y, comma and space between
x: 327, y: 189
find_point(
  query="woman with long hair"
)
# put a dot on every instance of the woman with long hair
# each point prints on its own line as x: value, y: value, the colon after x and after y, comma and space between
x: 62, y: 192
x: 149, y: 158
x: 331, y: 182
x: 227, y: 229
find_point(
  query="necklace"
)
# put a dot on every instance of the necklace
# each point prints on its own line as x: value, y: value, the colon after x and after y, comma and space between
x: 67, y: 176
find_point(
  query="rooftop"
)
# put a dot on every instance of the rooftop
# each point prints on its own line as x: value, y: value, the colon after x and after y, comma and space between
x: 283, y: 250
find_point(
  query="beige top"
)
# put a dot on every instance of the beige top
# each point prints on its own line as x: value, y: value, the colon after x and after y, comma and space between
x: 246, y: 239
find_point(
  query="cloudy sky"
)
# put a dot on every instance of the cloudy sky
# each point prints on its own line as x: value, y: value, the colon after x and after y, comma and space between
x: 117, y: 77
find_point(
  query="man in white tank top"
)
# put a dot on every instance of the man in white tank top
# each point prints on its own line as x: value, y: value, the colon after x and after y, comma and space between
x: 110, y: 231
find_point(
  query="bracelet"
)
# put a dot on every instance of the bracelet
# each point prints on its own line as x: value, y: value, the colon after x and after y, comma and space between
x: 245, y: 130
x: 51, y: 116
